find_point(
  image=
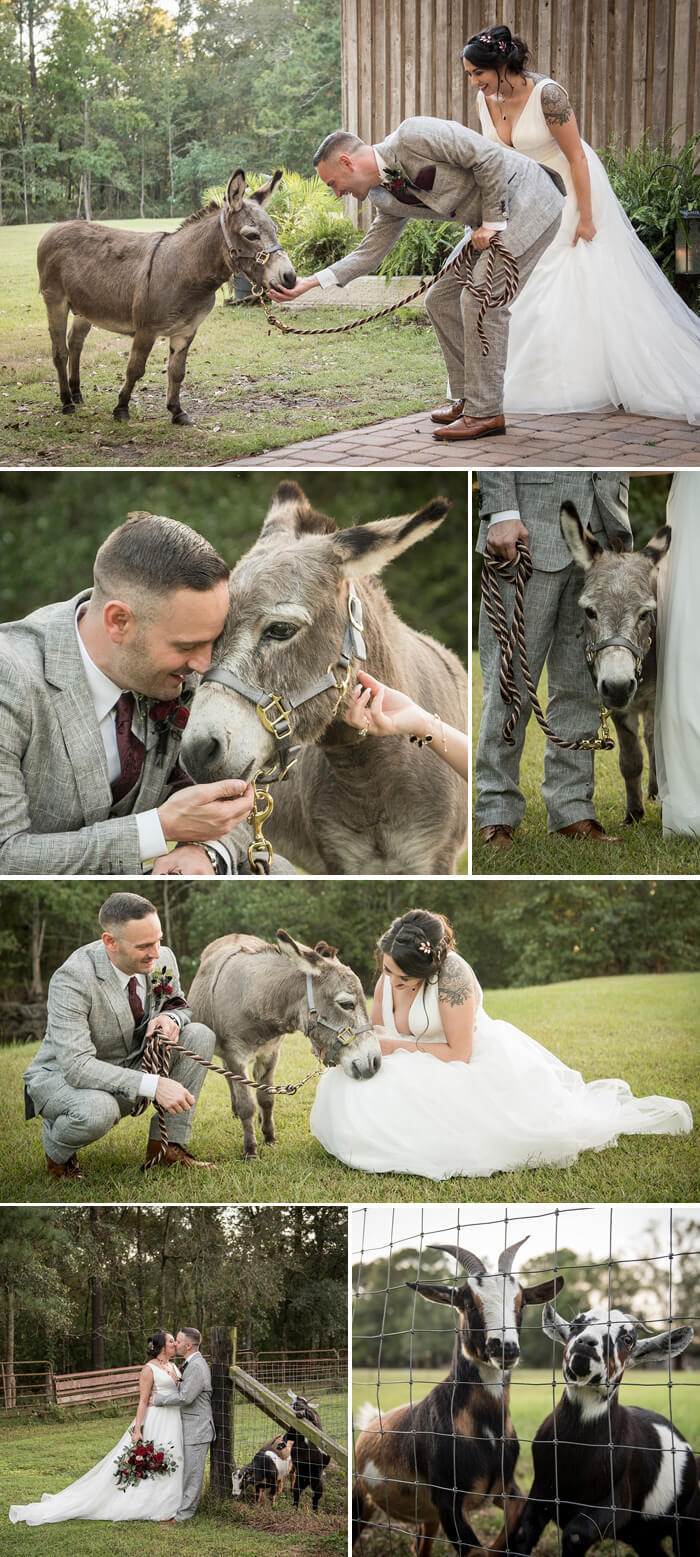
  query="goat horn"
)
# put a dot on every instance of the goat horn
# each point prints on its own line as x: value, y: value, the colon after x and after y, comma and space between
x: 469, y: 1262
x: 505, y: 1260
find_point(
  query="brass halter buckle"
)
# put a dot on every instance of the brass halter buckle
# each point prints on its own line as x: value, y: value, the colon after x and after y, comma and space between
x: 342, y: 686
x: 275, y: 717
x: 603, y: 741
x: 260, y: 852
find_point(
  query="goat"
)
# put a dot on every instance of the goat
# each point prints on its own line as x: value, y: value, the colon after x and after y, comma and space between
x: 268, y: 1469
x: 432, y: 1462
x: 309, y: 1462
x: 606, y: 1470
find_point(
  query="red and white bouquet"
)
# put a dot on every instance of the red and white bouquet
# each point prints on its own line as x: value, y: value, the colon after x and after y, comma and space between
x: 141, y: 1461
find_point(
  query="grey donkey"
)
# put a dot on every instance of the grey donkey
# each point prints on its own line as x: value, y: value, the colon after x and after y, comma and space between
x: 255, y: 993
x: 306, y: 611
x: 151, y: 284
x: 618, y: 601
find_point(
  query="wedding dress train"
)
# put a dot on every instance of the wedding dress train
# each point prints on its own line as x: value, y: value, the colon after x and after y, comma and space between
x: 598, y: 324
x: 96, y: 1494
x: 514, y: 1105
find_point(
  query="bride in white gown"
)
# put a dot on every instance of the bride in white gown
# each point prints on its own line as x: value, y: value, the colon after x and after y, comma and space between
x: 677, y: 724
x: 598, y: 324
x: 96, y: 1495
x: 459, y: 1092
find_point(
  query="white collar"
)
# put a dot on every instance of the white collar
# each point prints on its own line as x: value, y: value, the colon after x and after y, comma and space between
x: 104, y: 693
x: 381, y: 164
x: 124, y: 978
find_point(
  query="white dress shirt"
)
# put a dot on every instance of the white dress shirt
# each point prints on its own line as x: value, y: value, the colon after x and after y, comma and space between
x: 148, y: 1082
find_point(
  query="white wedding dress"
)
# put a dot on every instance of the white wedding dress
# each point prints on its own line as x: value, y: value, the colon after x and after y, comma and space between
x: 513, y: 1106
x: 677, y: 723
x: 96, y: 1494
x: 597, y: 325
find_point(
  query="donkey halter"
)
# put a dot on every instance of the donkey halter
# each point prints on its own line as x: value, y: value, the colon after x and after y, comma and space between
x: 592, y: 650
x: 261, y: 258
x: 345, y: 1035
x: 275, y: 714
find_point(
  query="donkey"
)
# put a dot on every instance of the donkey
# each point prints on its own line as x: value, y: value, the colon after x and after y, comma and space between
x: 254, y: 993
x: 305, y: 610
x: 618, y: 601
x: 433, y: 1461
x: 151, y: 284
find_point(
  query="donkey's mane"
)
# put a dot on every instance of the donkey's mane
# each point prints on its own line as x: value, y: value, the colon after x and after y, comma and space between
x: 196, y: 216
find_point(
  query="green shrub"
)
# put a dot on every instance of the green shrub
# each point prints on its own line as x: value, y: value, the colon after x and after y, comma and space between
x: 653, y: 194
x: 422, y: 248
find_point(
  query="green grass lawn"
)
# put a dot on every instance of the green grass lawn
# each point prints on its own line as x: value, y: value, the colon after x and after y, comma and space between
x: 43, y: 1456
x: 644, y: 850
x: 531, y: 1401
x: 643, y: 1028
x: 248, y: 387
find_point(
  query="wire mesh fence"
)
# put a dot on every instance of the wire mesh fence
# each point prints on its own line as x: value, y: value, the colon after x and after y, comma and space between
x: 320, y: 1376
x: 464, y: 1344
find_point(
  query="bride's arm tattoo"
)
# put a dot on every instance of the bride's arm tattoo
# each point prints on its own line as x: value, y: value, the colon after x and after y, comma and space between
x: 555, y: 104
x: 455, y: 986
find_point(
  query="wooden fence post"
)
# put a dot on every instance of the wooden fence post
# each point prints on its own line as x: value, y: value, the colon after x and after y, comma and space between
x: 221, y: 1457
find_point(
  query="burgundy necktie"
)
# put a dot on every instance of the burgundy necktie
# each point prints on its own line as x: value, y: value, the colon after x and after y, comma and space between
x: 135, y: 1002
x: 131, y: 750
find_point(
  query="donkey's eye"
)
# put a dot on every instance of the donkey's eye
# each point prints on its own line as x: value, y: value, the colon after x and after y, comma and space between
x: 644, y: 616
x: 251, y: 234
x: 281, y: 631
x: 591, y: 613
x: 346, y: 1002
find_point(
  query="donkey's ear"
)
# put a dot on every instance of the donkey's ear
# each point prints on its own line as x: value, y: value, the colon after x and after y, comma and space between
x: 544, y: 1291
x: 324, y: 950
x: 367, y: 548
x: 235, y: 190
x: 658, y: 546
x: 554, y: 1325
x: 306, y: 960
x: 660, y: 1348
x: 290, y: 511
x: 433, y: 1293
x: 583, y: 546
x: 262, y: 195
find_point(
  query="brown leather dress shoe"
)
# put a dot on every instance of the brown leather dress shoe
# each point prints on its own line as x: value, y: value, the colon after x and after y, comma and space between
x: 499, y: 836
x: 472, y: 427
x: 172, y: 1156
x: 449, y: 413
x: 65, y: 1170
x: 590, y: 829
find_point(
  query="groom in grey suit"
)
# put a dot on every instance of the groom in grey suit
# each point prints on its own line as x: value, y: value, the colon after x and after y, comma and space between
x: 524, y: 505
x: 103, y: 1003
x: 193, y: 1395
x: 436, y: 170
x: 94, y: 694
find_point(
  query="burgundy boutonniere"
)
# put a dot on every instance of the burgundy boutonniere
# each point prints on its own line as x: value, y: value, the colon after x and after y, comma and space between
x: 169, y: 717
x: 396, y: 182
x: 162, y: 983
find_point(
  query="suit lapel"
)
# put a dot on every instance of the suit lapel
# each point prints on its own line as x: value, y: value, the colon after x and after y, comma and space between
x: 73, y: 705
x: 115, y: 996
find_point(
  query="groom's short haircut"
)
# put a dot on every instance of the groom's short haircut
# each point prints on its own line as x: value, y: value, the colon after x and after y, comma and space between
x: 118, y: 909
x: 151, y: 556
x: 195, y: 1336
x: 336, y: 143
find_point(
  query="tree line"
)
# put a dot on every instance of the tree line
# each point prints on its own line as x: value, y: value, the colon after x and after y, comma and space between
x: 120, y: 108
x: 83, y: 1287
x: 513, y: 933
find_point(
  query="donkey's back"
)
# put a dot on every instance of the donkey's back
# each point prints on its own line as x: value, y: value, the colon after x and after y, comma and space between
x: 75, y: 259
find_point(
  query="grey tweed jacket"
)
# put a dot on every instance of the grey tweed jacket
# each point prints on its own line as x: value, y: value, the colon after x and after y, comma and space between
x: 90, y: 1028
x: 475, y: 182
x: 601, y: 498
x: 194, y: 1396
x: 57, y: 815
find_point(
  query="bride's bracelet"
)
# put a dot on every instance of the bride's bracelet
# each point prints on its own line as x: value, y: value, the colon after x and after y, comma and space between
x: 426, y: 740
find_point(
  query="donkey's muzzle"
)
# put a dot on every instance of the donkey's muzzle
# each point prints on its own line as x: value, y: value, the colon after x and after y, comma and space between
x: 289, y: 277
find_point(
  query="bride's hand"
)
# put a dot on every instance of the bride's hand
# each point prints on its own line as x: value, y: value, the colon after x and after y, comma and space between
x: 382, y: 710
x: 585, y: 230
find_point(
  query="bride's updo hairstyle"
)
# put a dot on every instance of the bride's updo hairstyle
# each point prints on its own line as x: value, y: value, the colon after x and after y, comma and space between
x: 418, y: 942
x: 155, y: 1344
x: 495, y: 48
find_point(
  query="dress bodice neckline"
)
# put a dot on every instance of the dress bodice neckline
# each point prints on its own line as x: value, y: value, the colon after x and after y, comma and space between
x: 511, y: 143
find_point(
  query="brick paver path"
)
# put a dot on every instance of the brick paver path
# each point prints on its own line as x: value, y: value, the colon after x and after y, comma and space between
x: 597, y: 439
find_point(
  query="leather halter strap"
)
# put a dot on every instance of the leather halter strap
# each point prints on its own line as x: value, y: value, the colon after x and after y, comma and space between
x: 344, y: 1034
x: 592, y: 650
x: 275, y: 712
x: 262, y: 255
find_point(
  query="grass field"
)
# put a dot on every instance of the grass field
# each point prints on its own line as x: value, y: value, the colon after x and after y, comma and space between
x: 248, y: 388
x: 43, y: 1456
x: 644, y: 850
x: 644, y: 1029
x: 531, y: 1399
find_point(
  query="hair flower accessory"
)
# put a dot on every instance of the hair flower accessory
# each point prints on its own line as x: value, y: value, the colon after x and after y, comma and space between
x: 425, y: 947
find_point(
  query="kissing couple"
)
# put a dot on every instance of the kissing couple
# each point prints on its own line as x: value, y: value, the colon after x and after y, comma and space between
x: 165, y: 1446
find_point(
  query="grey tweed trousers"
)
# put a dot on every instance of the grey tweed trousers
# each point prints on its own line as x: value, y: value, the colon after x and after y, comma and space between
x: 552, y: 617
x: 195, y: 1460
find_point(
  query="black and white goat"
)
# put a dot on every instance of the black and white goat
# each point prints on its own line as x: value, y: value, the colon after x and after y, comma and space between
x: 309, y: 1462
x: 267, y: 1471
x: 432, y: 1462
x: 602, y: 1469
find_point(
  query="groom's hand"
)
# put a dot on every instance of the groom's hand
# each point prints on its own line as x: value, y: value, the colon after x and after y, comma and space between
x: 285, y: 294
x: 172, y: 1097
x: 167, y: 1024
x: 503, y: 536
x: 482, y: 237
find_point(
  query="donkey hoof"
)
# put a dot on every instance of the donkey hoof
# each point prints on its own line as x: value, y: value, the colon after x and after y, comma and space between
x: 68, y: 409
x: 121, y: 413
x: 77, y: 397
x: 632, y: 818
x: 250, y: 1156
x: 181, y: 419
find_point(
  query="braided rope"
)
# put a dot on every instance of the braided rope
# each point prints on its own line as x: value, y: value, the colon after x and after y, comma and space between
x: 155, y: 1061
x: 463, y: 265
x: 520, y: 573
